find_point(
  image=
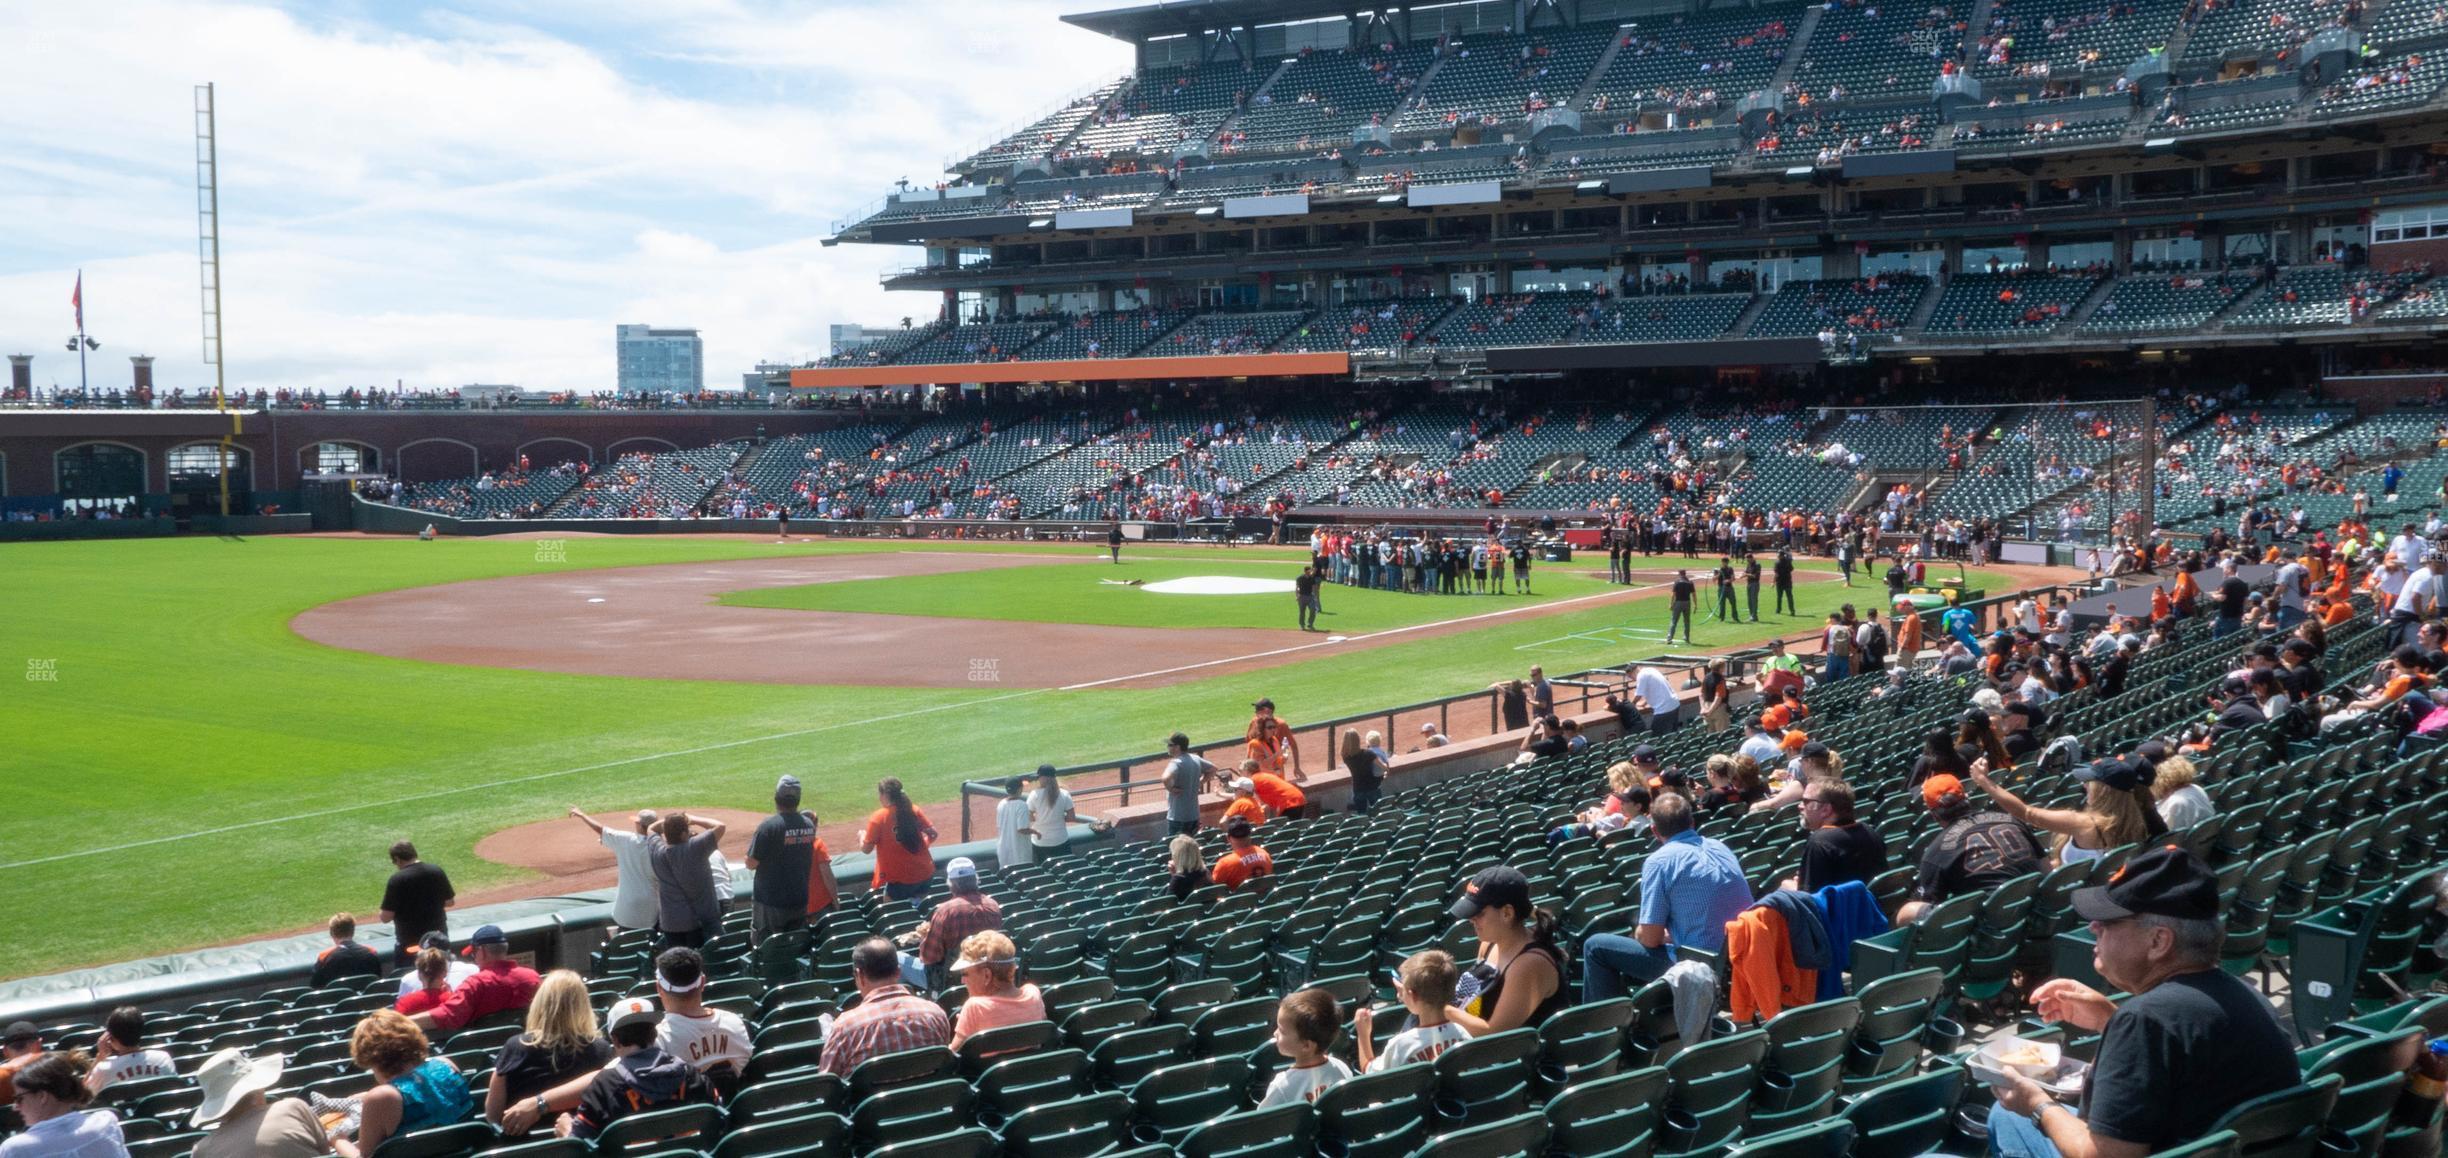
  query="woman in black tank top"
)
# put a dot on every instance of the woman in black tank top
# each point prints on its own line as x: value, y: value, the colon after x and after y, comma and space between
x: 1519, y: 977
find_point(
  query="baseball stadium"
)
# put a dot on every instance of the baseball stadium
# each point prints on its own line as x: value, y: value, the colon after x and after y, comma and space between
x: 1228, y: 682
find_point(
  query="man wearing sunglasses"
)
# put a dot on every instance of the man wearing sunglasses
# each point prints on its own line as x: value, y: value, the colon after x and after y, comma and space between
x: 2189, y: 1044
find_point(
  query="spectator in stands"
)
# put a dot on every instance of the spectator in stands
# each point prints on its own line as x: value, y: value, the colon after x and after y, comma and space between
x: 1975, y: 851
x: 51, y: 1097
x: 500, y: 985
x: 1366, y: 759
x: 2191, y: 1042
x: 561, y: 1044
x: 1184, y: 775
x: 1760, y: 742
x: 1658, y: 698
x: 1939, y: 754
x: 2234, y: 596
x: 1626, y: 806
x: 1518, y: 979
x: 633, y: 897
x: 902, y: 841
x: 1272, y: 743
x: 1425, y: 987
x: 121, y: 1055
x: 20, y: 1045
x: 1431, y: 738
x: 964, y: 914
x: 779, y: 854
x: 989, y: 967
x: 415, y: 899
x: 2181, y: 802
x: 642, y: 1079
x: 1242, y: 861
x: 1244, y: 805
x: 1841, y: 848
x: 1278, y: 795
x: 888, y: 1018
x: 455, y: 970
x: 242, y: 1122
x: 1690, y: 887
x: 412, y: 1090
x: 713, y: 1040
x: 1733, y: 781
x: 688, y: 907
x: 345, y: 958
x: 433, y: 976
x: 2117, y: 809
x: 1305, y: 1026
x: 1051, y: 815
x: 1186, y: 869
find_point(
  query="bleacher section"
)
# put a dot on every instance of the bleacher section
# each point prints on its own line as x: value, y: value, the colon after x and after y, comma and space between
x: 1866, y: 306
x: 1041, y: 136
x: 1495, y: 79
x: 2314, y: 295
x: 2390, y: 83
x: 2253, y: 28
x: 2056, y: 39
x: 494, y: 494
x: 1866, y: 51
x: 1367, y: 325
x: 2006, y: 303
x: 1111, y: 334
x: 1692, y: 61
x: 1321, y: 97
x: 2152, y: 302
x: 979, y: 342
x: 1166, y: 106
x: 1217, y: 334
x: 649, y: 486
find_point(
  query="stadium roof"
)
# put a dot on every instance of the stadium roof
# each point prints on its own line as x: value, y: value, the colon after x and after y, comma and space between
x: 1190, y: 17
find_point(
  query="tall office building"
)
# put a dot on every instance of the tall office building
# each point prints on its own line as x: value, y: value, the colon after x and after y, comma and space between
x: 656, y: 361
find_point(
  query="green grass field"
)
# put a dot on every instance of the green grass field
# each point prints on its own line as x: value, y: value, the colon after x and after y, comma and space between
x: 184, y: 770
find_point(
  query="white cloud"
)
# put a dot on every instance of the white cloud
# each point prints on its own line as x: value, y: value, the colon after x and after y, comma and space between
x: 481, y: 192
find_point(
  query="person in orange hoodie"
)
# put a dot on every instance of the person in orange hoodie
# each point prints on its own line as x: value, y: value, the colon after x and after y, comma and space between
x: 2186, y: 598
x: 2161, y: 606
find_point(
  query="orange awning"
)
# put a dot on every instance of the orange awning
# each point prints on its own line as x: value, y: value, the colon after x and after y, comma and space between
x: 1079, y: 370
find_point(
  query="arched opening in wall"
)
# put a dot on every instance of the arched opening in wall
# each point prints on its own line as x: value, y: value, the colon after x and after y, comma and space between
x: 340, y: 457
x: 640, y: 446
x: 547, y: 453
x: 436, y: 459
x: 194, y: 472
x: 100, y: 477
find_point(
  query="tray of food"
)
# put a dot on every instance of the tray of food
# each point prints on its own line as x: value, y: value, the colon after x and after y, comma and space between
x: 2041, y: 1061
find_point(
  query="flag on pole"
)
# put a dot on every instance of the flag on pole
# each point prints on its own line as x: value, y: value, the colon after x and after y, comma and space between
x: 76, y: 298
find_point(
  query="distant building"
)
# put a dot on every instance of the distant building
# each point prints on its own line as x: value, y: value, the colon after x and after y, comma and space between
x: 660, y: 361
x: 768, y: 380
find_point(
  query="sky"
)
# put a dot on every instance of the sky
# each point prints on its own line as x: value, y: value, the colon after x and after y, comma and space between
x: 480, y: 191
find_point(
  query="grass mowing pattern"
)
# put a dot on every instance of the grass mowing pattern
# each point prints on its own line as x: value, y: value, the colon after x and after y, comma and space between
x: 183, y: 703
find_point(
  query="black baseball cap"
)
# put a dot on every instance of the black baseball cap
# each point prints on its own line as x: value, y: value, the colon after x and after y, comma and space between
x: 2164, y: 882
x: 1495, y: 885
x: 1262, y: 703
x: 1238, y: 828
x: 1645, y: 754
x: 21, y: 1032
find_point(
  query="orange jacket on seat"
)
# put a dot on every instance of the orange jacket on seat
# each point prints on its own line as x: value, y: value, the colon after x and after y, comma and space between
x: 1759, y: 955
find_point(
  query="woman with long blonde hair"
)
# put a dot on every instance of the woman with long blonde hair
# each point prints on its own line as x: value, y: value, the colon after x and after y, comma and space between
x: 2115, y: 811
x: 562, y: 1041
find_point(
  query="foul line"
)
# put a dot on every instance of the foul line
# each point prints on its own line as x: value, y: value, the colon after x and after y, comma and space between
x: 745, y: 741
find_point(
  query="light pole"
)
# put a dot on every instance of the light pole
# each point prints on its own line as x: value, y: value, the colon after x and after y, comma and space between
x: 79, y: 344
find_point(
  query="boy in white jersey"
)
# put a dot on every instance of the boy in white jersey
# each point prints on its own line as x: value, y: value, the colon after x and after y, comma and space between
x: 1425, y: 986
x: 1305, y: 1027
x: 120, y: 1055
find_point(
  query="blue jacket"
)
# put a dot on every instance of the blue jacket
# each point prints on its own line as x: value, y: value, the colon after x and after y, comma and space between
x: 1851, y: 914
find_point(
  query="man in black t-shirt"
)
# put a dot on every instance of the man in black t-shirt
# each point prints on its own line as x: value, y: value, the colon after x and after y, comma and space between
x: 1725, y: 591
x: 780, y: 854
x: 1305, y: 597
x: 414, y: 900
x: 1521, y: 566
x: 1841, y: 848
x: 2234, y: 596
x: 1784, y: 583
x: 1680, y: 609
x: 1976, y: 851
x: 2189, y: 1045
x: 1751, y: 578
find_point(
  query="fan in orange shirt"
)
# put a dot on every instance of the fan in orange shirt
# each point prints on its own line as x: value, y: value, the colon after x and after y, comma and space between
x: 1277, y: 793
x: 1245, y: 803
x: 2161, y: 606
x: 2186, y: 597
x: 1270, y: 741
